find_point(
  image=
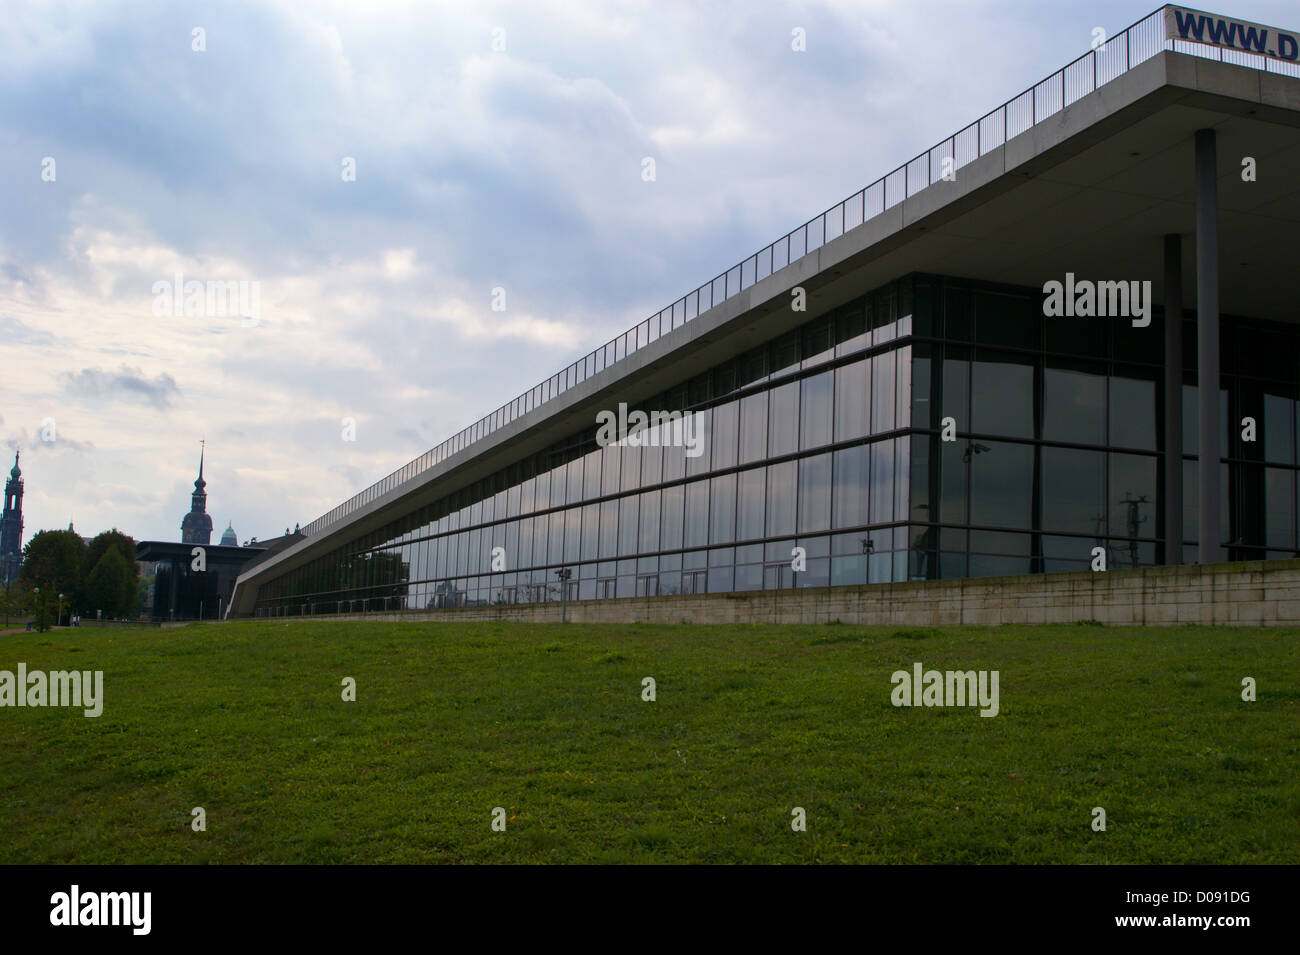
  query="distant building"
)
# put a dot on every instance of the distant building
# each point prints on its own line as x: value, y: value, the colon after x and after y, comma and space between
x: 11, y: 525
x: 193, y: 579
x: 196, y: 527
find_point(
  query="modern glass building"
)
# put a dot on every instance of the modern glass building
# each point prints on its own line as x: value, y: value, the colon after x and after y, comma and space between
x: 924, y: 416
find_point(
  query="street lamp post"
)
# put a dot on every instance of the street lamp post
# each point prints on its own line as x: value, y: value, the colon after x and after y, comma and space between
x: 58, y: 621
x: 564, y: 574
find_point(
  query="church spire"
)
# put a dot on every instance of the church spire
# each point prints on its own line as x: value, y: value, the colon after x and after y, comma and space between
x: 196, y: 527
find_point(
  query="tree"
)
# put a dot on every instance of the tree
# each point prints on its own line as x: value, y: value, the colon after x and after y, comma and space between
x: 124, y: 545
x: 55, y: 562
x: 42, y: 608
x: 111, y: 585
x: 15, y: 599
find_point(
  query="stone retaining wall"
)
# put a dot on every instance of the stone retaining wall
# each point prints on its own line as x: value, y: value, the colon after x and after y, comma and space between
x: 1255, y: 593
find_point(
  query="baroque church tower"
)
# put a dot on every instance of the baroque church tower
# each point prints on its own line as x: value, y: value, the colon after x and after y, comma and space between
x: 11, y: 525
x: 196, y: 527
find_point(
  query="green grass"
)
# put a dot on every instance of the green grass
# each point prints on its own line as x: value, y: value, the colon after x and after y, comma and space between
x: 547, y: 721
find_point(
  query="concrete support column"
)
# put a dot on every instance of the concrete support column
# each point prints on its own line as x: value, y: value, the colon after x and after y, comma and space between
x: 1207, y: 335
x: 1173, y: 489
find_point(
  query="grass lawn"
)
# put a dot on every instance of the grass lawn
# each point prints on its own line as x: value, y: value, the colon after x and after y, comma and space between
x: 547, y: 721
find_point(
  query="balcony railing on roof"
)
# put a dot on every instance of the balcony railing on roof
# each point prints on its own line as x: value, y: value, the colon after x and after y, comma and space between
x: 1117, y: 56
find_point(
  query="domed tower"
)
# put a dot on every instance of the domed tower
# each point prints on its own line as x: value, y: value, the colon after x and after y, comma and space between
x: 228, y: 538
x: 11, y: 525
x: 196, y: 527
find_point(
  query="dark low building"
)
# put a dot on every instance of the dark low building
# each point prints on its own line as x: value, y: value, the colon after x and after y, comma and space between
x: 183, y: 591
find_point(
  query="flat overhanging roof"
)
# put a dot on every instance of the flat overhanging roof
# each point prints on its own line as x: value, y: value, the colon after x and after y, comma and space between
x: 173, y: 550
x: 1091, y: 189
x: 1095, y: 192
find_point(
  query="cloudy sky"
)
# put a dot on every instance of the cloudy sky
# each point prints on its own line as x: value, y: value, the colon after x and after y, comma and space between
x: 129, y: 157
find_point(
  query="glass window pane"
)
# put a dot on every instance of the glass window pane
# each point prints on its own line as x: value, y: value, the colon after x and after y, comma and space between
x: 781, y: 480
x: 753, y: 428
x: 652, y: 455
x: 849, y: 497
x: 541, y: 536
x: 902, y: 477
x: 1279, y: 508
x: 1007, y: 319
x: 1279, y: 429
x: 752, y: 501
x: 1132, y: 498
x: 956, y: 388
x: 726, y: 420
x: 649, y: 540
x: 1001, y: 484
x: 591, y: 474
x: 590, y: 532
x: 572, y: 534
x: 611, y: 468
x: 882, y: 392
x: 919, y: 490
x: 554, y: 552
x: 814, y: 492
x: 815, y: 410
x: 1074, y: 491
x: 882, y: 482
x: 671, y: 517
x: 1132, y: 413
x: 722, y: 510
x: 1002, y: 394
x: 609, y: 528
x: 1074, y: 404
x: 627, y: 524
x: 697, y: 514
x: 852, y: 400
x: 783, y: 420
x: 699, y: 438
x: 903, y: 388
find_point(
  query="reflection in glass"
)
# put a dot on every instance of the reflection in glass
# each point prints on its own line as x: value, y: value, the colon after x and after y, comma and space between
x: 753, y: 428
x: 751, y: 503
x: 882, y: 392
x: 1002, y: 394
x: 814, y: 493
x: 722, y: 510
x: 1001, y: 483
x: 882, y: 482
x: 1074, y: 406
x: 852, y: 400
x: 815, y: 410
x: 783, y: 420
x: 1074, y: 491
x: 781, y: 498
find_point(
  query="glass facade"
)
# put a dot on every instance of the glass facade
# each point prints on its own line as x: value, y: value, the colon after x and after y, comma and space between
x: 832, y: 438
x: 1058, y: 427
x: 802, y: 443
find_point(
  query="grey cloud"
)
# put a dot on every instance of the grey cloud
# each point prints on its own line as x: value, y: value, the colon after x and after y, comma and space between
x: 15, y: 332
x: 129, y: 384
